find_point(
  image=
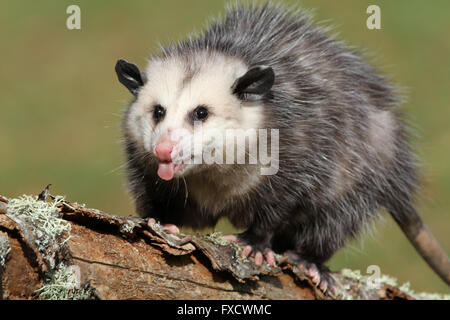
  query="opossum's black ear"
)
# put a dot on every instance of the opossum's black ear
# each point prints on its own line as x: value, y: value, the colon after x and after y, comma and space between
x: 257, y: 81
x: 129, y: 75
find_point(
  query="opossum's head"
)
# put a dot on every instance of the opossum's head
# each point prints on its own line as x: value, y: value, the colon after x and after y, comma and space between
x: 183, y: 104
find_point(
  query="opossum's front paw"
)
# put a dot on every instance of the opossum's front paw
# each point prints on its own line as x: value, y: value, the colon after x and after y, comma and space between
x: 169, y: 228
x: 259, y: 252
x: 319, y: 274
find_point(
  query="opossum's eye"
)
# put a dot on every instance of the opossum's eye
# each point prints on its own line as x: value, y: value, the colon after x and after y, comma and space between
x: 200, y: 113
x: 158, y: 113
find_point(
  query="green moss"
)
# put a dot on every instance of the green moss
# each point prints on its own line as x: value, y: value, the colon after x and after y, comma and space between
x: 156, y: 226
x: 352, y: 274
x: 42, y: 225
x: 356, y: 275
x: 4, y: 248
x: 63, y: 283
x: 406, y: 287
x: 217, y: 238
x: 126, y: 227
x: 388, y: 280
x: 43, y: 216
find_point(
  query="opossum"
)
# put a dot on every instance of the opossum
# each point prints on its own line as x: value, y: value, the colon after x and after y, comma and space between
x: 343, y: 150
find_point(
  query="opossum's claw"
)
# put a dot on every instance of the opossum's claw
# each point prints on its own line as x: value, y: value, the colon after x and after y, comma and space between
x: 246, y: 251
x: 259, y: 256
x: 270, y: 257
x: 327, y: 284
x: 319, y: 274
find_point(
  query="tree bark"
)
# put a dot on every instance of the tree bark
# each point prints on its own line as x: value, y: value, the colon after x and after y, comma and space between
x: 114, y: 257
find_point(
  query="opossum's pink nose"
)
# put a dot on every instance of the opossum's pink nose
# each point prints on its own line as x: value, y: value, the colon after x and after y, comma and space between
x: 163, y: 150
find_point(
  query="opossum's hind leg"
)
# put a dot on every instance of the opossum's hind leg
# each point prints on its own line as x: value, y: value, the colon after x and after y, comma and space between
x: 319, y: 274
x: 168, y: 227
x: 258, y: 250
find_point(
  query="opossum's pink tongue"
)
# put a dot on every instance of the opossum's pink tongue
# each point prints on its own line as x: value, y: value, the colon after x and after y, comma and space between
x: 166, y: 170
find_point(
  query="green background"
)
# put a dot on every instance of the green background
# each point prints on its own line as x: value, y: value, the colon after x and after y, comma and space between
x: 61, y: 104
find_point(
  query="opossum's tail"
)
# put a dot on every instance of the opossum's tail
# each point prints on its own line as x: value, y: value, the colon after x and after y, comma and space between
x: 424, y: 242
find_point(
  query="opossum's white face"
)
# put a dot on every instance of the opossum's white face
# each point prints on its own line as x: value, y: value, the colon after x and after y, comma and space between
x: 182, y: 109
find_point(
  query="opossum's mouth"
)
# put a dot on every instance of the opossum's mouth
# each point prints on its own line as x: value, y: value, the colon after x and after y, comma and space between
x: 167, y: 169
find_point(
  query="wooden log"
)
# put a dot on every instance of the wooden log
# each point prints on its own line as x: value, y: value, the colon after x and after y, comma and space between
x: 115, y: 257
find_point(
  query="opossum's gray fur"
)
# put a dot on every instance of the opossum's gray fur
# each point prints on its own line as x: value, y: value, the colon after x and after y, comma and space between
x: 334, y: 176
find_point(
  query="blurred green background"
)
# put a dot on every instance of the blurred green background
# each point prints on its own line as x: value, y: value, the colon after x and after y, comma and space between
x: 61, y: 104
